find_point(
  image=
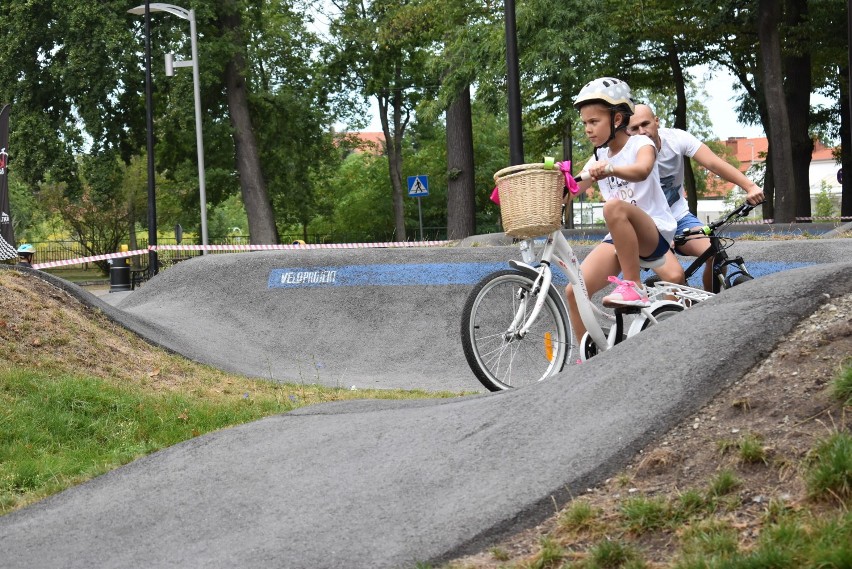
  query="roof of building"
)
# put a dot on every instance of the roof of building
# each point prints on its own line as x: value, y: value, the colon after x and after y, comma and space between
x: 750, y: 151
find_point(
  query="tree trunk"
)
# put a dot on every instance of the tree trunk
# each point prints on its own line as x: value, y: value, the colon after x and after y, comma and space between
x: 680, y: 122
x: 768, y: 190
x: 845, y: 144
x: 461, y: 202
x: 391, y: 99
x: 757, y: 92
x: 261, y: 219
x: 780, y: 148
x: 797, y: 69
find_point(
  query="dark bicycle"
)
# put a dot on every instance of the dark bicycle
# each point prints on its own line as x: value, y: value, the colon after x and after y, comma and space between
x: 722, y: 278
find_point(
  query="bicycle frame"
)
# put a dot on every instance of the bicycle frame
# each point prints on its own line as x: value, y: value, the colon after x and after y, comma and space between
x: 720, y: 261
x: 557, y: 249
x: 717, y: 252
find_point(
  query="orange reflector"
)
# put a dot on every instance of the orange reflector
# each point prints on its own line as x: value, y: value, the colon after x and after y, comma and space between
x: 548, y: 347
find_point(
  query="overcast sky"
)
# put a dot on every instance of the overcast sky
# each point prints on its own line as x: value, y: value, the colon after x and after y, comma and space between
x: 720, y: 104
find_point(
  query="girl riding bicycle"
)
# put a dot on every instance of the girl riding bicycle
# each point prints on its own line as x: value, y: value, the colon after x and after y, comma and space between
x: 636, y: 212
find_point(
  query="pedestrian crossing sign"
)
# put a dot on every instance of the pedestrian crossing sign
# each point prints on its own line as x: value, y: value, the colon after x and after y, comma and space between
x: 418, y: 186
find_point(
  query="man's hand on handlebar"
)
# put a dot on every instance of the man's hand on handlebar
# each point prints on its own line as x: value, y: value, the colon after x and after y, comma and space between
x: 754, y: 195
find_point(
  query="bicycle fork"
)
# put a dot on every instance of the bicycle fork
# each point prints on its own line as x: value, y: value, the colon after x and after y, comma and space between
x: 522, y: 322
x: 721, y: 262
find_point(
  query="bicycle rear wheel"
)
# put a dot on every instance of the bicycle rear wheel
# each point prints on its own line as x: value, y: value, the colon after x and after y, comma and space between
x: 497, y: 356
x: 663, y: 312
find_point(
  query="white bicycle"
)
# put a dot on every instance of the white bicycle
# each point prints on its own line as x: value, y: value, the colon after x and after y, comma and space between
x: 515, y: 327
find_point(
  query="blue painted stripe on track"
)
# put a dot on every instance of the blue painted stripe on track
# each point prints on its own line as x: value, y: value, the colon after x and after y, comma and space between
x: 403, y: 274
x: 437, y: 274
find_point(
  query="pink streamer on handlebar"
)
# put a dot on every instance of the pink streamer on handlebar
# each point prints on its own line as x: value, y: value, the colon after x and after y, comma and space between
x: 570, y: 183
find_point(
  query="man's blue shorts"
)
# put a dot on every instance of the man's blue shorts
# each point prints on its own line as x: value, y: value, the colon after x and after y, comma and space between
x: 688, y: 221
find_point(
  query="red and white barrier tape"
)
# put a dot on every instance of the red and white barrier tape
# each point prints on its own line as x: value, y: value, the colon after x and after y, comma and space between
x: 842, y: 218
x: 390, y: 244
x: 772, y: 221
x: 81, y: 260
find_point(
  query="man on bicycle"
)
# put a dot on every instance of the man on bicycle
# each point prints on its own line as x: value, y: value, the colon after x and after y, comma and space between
x: 672, y: 145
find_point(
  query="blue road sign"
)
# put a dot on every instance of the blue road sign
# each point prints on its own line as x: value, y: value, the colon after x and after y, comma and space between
x: 418, y: 186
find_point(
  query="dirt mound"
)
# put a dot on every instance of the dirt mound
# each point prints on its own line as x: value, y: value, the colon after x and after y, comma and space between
x: 45, y: 327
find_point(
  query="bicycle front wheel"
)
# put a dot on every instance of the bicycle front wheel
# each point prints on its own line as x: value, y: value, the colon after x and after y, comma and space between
x: 499, y: 358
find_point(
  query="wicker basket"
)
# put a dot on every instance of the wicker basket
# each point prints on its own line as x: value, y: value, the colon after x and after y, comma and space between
x: 530, y: 200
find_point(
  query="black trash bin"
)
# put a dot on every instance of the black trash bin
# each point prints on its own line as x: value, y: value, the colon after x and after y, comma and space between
x: 119, y: 275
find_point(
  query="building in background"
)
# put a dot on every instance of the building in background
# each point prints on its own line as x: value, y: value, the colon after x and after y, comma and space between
x: 751, y: 155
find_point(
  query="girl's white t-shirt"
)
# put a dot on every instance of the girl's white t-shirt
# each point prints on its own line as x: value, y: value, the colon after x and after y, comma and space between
x: 675, y: 144
x: 646, y: 194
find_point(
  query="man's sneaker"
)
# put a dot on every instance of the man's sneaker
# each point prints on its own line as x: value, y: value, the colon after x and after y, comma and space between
x: 626, y: 293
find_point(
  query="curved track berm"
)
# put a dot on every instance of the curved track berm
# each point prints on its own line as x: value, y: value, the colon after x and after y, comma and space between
x: 389, y: 484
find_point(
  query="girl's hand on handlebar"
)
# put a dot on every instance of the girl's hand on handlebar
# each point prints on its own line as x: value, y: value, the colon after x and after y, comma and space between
x: 599, y: 170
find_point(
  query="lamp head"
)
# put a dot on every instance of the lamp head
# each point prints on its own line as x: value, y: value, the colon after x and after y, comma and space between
x: 159, y: 7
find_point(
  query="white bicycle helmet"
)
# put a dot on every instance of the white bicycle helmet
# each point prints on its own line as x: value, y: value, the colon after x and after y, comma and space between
x: 613, y: 93
x: 608, y: 90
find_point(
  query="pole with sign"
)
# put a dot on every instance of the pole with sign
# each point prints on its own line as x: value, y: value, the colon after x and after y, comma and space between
x: 418, y: 187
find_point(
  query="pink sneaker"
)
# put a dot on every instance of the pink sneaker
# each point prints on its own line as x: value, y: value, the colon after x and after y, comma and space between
x: 626, y: 293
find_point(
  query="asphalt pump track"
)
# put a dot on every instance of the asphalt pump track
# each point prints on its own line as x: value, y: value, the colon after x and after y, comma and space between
x: 387, y: 483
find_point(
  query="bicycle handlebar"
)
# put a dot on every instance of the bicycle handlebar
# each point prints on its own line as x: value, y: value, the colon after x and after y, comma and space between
x: 741, y: 211
x: 572, y: 188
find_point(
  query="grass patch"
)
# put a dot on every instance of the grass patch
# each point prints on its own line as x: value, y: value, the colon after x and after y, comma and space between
x: 751, y: 449
x: 691, y: 505
x: 614, y: 554
x: 710, y: 538
x: 842, y: 386
x: 830, y: 468
x: 643, y: 514
x: 58, y: 430
x: 723, y: 483
x: 579, y: 516
x: 550, y: 555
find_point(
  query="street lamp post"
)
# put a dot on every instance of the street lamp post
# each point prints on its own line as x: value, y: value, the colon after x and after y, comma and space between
x: 751, y: 164
x: 516, y: 137
x: 149, y: 122
x: 170, y: 65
